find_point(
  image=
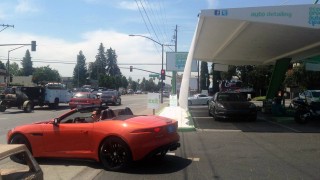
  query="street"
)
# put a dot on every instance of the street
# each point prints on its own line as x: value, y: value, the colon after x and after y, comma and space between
x: 270, y: 148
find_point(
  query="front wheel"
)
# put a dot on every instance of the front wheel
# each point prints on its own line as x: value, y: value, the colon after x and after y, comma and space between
x: 114, y: 154
x: 20, y: 139
x: 301, y: 117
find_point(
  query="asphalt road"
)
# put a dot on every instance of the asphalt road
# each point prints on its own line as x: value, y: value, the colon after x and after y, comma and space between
x: 270, y: 148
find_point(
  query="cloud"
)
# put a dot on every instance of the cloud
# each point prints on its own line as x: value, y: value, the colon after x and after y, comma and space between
x: 213, y: 3
x: 26, y: 6
x: 130, y: 50
x: 130, y: 5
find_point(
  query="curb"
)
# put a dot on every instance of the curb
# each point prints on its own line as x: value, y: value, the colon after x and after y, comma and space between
x: 186, y: 129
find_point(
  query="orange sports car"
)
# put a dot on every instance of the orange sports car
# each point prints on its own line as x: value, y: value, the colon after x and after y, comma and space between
x: 114, y: 138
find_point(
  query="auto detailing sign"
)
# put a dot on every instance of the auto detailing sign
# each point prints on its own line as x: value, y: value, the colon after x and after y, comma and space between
x: 292, y: 15
x: 153, y: 100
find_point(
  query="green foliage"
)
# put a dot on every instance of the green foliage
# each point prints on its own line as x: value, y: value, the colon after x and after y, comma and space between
x: 80, y: 72
x: 2, y: 66
x: 97, y: 68
x: 259, y: 98
x: 112, y: 68
x: 299, y: 77
x: 15, y: 70
x: 45, y: 74
x: 27, y: 64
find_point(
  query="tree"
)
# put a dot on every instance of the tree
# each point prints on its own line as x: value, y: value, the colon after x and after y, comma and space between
x: 112, y: 68
x: 124, y: 82
x: 27, y: 64
x: 299, y: 76
x: 45, y: 74
x: 204, y: 76
x: 14, y: 69
x: 99, y: 66
x: 80, y: 71
x: 2, y: 66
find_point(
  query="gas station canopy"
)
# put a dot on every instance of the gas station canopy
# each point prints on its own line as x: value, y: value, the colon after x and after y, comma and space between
x: 258, y: 35
x: 253, y: 36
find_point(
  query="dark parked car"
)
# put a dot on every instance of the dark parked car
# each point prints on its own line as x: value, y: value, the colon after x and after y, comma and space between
x: 231, y: 105
x: 113, y: 97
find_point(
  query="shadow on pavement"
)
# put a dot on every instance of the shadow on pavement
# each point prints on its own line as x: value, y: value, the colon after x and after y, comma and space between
x: 264, y: 123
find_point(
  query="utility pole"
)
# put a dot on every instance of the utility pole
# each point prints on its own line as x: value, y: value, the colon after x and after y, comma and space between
x: 316, y: 2
x: 174, y: 73
x: 6, y: 26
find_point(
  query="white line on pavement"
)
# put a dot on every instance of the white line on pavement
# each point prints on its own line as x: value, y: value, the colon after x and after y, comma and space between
x: 282, y: 126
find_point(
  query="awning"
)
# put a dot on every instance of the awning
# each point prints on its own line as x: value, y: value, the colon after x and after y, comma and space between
x: 254, y: 36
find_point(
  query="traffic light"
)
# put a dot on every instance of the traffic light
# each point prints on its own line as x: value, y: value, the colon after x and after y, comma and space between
x: 33, y: 46
x: 163, y: 74
x: 131, y: 67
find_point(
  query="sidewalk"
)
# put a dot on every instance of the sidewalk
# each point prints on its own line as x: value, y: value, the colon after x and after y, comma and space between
x: 183, y: 117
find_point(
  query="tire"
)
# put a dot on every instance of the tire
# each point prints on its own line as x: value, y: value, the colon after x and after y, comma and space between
x: 20, y: 139
x: 189, y: 103
x: 56, y: 103
x: 209, y: 113
x: 28, y: 108
x: 2, y: 108
x: 114, y: 154
x: 298, y: 117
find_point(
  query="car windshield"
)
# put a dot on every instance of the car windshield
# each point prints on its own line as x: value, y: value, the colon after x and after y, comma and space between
x: 316, y: 94
x: 112, y: 93
x: 80, y: 95
x: 231, y: 97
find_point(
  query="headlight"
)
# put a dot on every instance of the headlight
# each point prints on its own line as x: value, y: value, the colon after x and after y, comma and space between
x: 252, y: 106
x: 220, y: 105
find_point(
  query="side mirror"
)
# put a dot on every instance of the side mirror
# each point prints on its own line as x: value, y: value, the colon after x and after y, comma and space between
x: 55, y: 122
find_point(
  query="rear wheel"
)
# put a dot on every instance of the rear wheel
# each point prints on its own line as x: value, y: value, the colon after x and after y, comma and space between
x: 29, y: 107
x: 189, y: 103
x: 114, y: 154
x: 20, y: 139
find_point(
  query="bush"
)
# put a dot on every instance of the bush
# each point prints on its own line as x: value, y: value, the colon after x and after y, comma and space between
x: 259, y: 98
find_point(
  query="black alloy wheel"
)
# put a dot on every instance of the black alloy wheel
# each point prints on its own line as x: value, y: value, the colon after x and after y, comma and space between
x: 20, y: 139
x: 114, y: 154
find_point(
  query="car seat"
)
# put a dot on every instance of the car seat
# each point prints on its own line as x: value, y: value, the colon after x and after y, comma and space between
x: 107, y: 114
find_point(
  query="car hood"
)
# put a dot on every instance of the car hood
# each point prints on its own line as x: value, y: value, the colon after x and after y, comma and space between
x: 236, y: 105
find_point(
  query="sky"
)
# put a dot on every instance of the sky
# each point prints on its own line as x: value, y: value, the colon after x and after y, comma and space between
x: 63, y: 28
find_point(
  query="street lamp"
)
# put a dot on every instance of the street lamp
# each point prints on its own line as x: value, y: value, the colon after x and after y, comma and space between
x: 161, y: 89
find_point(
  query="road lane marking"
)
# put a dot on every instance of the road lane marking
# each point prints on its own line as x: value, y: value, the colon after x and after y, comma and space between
x: 220, y: 130
x: 194, y: 159
x: 286, y: 127
x: 171, y: 154
x: 3, y: 118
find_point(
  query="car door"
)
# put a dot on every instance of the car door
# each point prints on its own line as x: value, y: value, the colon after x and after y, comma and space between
x: 203, y: 99
x: 68, y: 136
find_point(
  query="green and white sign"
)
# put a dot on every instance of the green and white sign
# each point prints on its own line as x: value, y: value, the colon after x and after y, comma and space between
x: 154, y: 75
x: 153, y: 100
x: 177, y: 60
x: 173, y: 100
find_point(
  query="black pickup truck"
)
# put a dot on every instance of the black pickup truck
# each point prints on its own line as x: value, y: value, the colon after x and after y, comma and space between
x: 22, y: 97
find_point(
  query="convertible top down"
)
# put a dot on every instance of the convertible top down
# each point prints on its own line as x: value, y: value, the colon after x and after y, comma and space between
x: 113, y: 138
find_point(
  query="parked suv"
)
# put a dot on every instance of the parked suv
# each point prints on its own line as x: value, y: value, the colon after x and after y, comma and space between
x: 113, y: 97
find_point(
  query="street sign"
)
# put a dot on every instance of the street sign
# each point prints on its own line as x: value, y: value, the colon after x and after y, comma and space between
x: 154, y: 75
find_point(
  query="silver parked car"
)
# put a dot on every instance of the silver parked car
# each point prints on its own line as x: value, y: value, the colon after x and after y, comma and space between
x: 199, y: 99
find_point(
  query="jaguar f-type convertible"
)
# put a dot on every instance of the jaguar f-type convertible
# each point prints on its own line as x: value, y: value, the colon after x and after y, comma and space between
x: 114, y: 138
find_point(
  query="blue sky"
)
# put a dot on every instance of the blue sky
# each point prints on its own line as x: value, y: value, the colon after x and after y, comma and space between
x: 64, y: 27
